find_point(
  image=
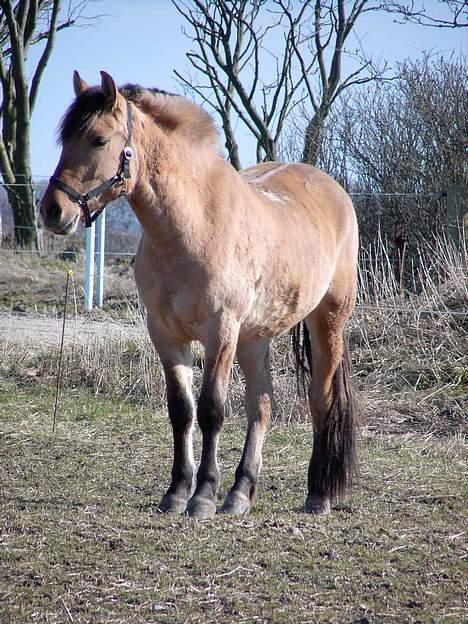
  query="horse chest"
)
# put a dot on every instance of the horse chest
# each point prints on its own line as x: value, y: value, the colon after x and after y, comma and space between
x: 182, y: 303
x: 176, y: 308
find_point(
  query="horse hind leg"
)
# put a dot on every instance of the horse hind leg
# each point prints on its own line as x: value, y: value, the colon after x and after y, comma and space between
x: 333, y: 461
x: 254, y: 360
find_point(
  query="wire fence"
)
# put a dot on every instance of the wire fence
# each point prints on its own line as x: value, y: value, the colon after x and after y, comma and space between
x: 399, y: 306
x: 53, y: 254
x: 381, y: 216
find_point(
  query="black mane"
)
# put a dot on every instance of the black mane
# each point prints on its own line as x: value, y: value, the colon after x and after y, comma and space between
x: 133, y: 92
x: 82, y: 113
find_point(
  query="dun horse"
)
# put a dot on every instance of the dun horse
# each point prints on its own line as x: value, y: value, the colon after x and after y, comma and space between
x: 226, y: 258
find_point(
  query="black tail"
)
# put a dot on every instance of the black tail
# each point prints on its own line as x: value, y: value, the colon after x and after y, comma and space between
x: 334, y: 458
x: 300, y: 342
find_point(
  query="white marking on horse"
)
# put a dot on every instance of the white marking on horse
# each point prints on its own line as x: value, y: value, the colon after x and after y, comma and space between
x: 271, y: 196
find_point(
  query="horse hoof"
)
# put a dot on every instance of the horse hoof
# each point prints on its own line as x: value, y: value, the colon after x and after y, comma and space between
x: 317, y: 505
x: 201, y: 508
x: 236, y: 503
x: 172, y: 504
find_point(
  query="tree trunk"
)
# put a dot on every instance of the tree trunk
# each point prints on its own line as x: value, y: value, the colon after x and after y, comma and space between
x: 233, y: 155
x: 231, y: 143
x: 22, y: 201
x: 313, y: 139
x: 266, y: 149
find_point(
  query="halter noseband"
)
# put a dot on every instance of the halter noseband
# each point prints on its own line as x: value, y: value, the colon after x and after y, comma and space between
x: 123, y: 173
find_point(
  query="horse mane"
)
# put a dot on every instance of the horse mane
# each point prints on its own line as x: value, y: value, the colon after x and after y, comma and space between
x: 172, y: 113
x: 82, y: 113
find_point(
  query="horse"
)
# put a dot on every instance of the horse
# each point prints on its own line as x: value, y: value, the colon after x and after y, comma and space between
x: 230, y: 259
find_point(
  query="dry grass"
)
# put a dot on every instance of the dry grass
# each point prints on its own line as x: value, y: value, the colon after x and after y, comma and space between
x: 410, y: 350
x: 34, y: 285
x: 81, y: 540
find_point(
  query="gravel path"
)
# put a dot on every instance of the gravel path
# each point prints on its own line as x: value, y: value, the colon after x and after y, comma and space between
x: 48, y: 330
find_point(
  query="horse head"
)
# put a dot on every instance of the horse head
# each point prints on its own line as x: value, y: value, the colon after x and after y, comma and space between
x: 94, y: 166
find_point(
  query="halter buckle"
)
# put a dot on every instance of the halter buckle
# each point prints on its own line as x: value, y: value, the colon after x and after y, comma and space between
x: 127, y: 155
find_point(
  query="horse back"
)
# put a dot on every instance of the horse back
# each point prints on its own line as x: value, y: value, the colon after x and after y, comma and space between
x: 304, y: 214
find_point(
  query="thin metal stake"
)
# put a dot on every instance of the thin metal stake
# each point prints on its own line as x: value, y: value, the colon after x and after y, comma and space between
x: 59, y: 371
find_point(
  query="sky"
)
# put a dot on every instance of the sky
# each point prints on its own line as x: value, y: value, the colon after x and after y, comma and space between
x: 141, y: 41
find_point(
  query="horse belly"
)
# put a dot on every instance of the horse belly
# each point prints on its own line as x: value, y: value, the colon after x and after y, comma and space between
x: 273, y: 313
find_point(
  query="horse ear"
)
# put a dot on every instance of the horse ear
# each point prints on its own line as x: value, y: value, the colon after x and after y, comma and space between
x: 79, y: 85
x: 109, y: 89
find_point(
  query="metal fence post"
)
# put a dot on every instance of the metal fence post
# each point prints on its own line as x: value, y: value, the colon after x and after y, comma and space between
x: 89, y: 269
x: 101, y: 236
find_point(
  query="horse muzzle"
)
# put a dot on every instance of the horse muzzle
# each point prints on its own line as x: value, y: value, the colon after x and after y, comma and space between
x: 58, y: 220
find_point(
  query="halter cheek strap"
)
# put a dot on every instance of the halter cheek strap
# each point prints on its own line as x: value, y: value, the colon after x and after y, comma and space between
x: 123, y: 173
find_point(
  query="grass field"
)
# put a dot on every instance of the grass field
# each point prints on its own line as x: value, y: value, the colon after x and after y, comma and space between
x: 81, y: 540
x: 80, y: 536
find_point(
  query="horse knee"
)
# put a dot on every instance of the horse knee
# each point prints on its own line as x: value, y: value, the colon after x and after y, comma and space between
x: 210, y: 412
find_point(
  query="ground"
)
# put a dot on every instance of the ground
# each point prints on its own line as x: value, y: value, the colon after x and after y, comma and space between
x: 81, y: 539
x: 47, y: 330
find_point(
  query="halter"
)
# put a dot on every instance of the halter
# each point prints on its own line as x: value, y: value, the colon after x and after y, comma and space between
x: 123, y: 174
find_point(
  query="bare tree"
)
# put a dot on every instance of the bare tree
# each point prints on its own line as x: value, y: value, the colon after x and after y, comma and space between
x: 24, y: 23
x: 229, y: 41
x: 453, y: 13
x: 232, y: 41
x: 331, y: 27
x: 407, y: 136
x: 405, y: 139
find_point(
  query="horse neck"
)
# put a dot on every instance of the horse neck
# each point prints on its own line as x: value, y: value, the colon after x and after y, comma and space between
x: 167, y: 196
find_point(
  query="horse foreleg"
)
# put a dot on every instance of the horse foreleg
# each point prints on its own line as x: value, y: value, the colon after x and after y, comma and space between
x: 176, y: 359
x: 254, y: 361
x: 219, y: 356
x: 181, y: 413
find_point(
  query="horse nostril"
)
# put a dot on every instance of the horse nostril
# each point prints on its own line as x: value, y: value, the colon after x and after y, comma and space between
x: 53, y: 212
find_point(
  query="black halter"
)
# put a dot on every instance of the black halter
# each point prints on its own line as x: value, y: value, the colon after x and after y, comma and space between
x: 123, y: 173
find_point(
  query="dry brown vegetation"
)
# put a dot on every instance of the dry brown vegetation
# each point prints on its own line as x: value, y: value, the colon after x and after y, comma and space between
x: 409, y: 349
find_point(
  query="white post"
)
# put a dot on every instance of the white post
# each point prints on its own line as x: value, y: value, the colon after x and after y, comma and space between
x: 101, y: 236
x: 89, y: 269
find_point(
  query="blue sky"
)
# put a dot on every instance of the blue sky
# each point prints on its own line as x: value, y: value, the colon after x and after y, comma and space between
x: 141, y: 41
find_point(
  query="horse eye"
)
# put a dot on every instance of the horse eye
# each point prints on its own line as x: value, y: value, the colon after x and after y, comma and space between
x: 100, y: 141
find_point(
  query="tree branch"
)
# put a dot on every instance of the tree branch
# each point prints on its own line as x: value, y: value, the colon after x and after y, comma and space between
x: 41, y: 65
x: 409, y: 13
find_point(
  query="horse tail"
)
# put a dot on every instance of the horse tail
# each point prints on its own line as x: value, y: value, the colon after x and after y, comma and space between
x: 302, y: 349
x: 333, y: 464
